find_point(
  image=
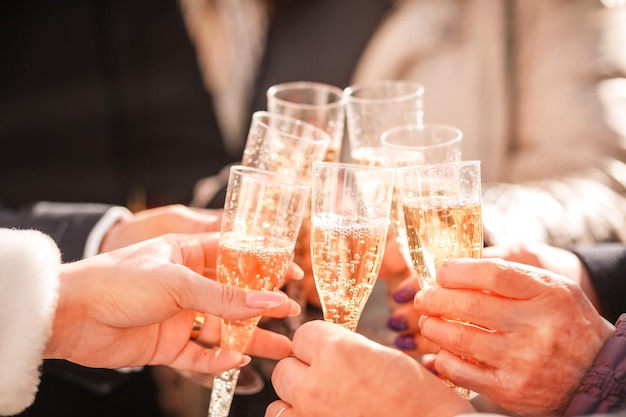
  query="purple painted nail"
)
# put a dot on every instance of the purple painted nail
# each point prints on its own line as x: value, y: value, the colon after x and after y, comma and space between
x: 397, y: 323
x: 404, y: 294
x: 406, y: 342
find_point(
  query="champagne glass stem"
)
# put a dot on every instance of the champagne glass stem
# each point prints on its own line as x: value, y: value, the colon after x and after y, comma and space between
x: 464, y: 393
x: 222, y: 393
x: 235, y: 335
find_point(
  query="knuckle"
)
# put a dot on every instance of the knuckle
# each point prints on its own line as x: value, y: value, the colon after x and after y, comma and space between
x: 457, y: 339
x: 229, y: 297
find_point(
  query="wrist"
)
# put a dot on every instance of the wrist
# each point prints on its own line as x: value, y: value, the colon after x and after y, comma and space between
x: 584, y: 280
x: 67, y: 319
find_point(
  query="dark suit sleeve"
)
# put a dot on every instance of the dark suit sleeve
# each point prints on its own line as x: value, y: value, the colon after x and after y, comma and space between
x: 606, y: 264
x: 69, y: 224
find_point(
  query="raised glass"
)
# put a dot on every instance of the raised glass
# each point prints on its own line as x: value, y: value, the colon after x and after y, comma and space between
x: 443, y: 216
x: 349, y: 223
x: 319, y: 104
x: 413, y: 145
x: 262, y: 216
x: 372, y: 108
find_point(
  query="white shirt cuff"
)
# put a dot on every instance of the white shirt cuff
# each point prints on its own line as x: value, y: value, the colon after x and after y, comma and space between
x: 112, y: 216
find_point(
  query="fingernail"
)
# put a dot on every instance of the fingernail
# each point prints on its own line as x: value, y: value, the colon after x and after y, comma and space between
x: 404, y: 294
x: 295, y: 309
x: 406, y: 342
x: 419, y: 298
x: 245, y: 359
x: 397, y: 323
x: 297, y: 273
x: 265, y: 299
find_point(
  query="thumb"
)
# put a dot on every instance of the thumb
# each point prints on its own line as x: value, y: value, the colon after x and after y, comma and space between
x: 230, y: 302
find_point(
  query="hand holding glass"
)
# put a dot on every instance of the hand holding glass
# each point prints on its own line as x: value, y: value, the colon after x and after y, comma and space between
x: 262, y: 216
x: 283, y: 145
x: 442, y: 211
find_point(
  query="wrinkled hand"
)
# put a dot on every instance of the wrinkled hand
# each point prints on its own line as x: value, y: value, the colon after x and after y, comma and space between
x: 540, y: 255
x: 543, y: 333
x: 335, y: 372
x: 135, y: 306
x: 557, y: 260
x: 155, y: 222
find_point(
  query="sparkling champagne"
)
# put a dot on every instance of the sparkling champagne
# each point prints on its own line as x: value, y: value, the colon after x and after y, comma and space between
x: 374, y: 157
x: 346, y: 260
x: 440, y: 229
x: 254, y: 265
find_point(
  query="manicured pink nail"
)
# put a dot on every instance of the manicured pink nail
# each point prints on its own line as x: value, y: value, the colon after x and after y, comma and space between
x: 245, y: 359
x: 265, y: 299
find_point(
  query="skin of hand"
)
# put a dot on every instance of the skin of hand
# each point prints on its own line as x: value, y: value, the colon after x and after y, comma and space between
x: 136, y: 306
x: 534, y: 335
x: 558, y: 260
x: 174, y: 218
x: 336, y: 372
x: 150, y: 223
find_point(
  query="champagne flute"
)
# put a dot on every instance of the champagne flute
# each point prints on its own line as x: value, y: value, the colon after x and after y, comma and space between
x: 262, y: 216
x: 322, y: 105
x: 284, y: 145
x: 287, y: 146
x: 442, y: 210
x: 372, y: 108
x: 280, y: 143
x: 349, y: 223
x: 412, y: 145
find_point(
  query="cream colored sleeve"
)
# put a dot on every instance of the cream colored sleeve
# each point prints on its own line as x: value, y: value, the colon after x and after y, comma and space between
x: 29, y: 281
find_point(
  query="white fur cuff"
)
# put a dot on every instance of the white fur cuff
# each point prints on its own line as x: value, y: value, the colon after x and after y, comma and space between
x: 29, y: 280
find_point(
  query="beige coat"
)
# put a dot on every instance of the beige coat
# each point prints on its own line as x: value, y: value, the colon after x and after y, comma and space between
x: 538, y: 88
